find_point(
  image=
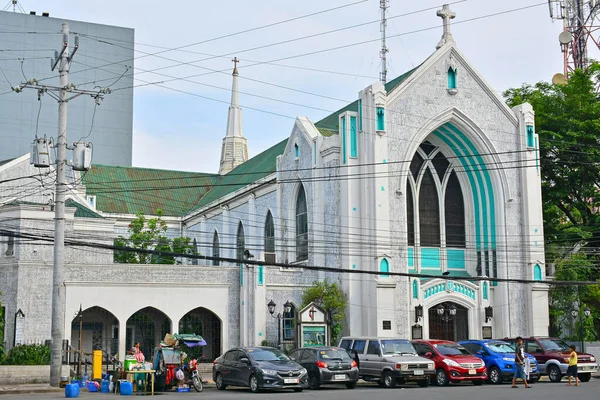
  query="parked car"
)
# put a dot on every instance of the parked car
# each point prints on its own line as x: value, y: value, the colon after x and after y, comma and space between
x: 552, y: 354
x: 499, y: 359
x: 326, y: 365
x: 453, y: 363
x: 258, y: 368
x: 388, y: 361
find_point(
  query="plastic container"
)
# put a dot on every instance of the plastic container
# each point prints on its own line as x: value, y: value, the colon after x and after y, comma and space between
x: 72, y: 390
x: 76, y: 382
x: 91, y: 387
x: 129, y: 360
x: 82, y: 383
x: 126, y: 388
x: 181, y: 390
x: 105, y: 386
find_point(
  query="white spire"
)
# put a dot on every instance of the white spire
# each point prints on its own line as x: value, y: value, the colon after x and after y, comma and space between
x: 235, y: 147
x: 446, y: 16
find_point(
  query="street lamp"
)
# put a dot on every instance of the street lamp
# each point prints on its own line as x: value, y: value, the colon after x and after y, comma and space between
x: 587, y: 312
x: 447, y: 315
x: 79, y: 316
x: 287, y: 307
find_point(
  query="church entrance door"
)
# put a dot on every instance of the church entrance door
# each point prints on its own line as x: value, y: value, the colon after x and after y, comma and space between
x: 449, y: 321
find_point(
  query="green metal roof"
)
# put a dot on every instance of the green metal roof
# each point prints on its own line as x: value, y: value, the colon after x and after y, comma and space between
x: 128, y: 190
x: 81, y: 210
x: 330, y: 124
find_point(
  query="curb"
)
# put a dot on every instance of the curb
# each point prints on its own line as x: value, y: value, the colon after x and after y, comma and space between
x: 30, y: 391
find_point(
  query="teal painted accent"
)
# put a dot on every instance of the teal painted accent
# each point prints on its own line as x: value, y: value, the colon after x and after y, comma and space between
x: 354, y: 266
x: 241, y: 275
x: 535, y: 230
x: 380, y: 119
x: 353, y: 138
x: 315, y: 149
x: 383, y: 188
x: 485, y: 290
x: 430, y: 257
x: 449, y: 286
x: 384, y: 268
x: 451, y: 78
x: 537, y: 273
x: 354, y: 209
x: 537, y: 155
x: 259, y: 333
x: 530, y: 136
x: 261, y: 275
x: 411, y: 257
x: 297, y: 150
x: 385, y: 161
x: 344, y: 139
x: 415, y: 289
x: 456, y: 258
x: 360, y: 115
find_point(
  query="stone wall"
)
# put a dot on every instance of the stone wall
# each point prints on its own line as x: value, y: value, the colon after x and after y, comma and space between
x: 27, y: 374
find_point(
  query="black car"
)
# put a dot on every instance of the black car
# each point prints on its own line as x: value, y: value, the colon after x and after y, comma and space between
x: 327, y: 365
x: 258, y: 368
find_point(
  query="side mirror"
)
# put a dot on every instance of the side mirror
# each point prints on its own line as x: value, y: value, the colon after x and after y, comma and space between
x: 244, y: 360
x: 428, y: 354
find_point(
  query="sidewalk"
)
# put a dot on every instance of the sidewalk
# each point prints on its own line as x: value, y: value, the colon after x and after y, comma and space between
x: 29, y: 389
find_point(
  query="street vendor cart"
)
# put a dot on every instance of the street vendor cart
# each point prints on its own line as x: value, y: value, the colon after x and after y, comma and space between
x: 173, y: 369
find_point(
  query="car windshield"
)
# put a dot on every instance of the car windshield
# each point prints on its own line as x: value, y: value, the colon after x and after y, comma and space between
x: 500, y: 347
x: 397, y: 347
x: 267, y: 355
x: 334, y: 354
x: 554, y: 344
x: 451, y: 349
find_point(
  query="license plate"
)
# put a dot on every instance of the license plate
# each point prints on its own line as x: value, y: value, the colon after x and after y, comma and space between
x: 339, y: 377
x: 290, y: 380
x: 472, y: 372
x: 418, y: 372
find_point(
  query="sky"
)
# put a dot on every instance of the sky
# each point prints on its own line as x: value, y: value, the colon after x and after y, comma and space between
x: 180, y: 124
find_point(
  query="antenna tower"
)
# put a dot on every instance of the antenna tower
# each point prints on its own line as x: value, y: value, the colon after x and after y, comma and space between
x: 384, y: 5
x: 15, y: 4
x: 581, y: 20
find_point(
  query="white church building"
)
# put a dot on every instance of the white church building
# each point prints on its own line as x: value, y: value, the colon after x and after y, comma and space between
x: 430, y: 174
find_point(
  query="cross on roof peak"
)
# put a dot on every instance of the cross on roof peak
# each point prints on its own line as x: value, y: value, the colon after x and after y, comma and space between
x: 446, y: 14
x: 235, y: 62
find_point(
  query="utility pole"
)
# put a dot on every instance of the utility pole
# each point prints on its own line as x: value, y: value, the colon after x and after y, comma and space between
x: 383, y: 4
x: 82, y: 162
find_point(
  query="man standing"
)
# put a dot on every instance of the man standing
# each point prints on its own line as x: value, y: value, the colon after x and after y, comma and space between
x: 519, y: 364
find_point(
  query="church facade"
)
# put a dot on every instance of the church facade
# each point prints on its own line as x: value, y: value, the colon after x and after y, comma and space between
x: 424, y: 181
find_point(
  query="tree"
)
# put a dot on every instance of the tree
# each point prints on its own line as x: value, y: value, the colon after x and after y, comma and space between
x: 328, y: 296
x: 567, y: 119
x: 150, y: 235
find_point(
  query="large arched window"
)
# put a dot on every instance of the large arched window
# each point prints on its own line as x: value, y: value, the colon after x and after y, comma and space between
x: 240, y: 243
x: 269, y: 234
x: 301, y: 226
x: 216, y: 251
x: 429, y: 211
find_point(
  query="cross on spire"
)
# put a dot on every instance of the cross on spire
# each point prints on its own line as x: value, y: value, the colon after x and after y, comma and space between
x: 446, y: 14
x: 235, y: 62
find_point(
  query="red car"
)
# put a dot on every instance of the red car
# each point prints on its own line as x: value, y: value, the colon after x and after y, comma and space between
x: 453, y: 363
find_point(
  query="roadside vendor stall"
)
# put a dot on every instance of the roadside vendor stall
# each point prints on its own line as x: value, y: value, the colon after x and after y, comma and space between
x: 172, y: 366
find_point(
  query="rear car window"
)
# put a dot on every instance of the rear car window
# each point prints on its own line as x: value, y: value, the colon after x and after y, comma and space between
x: 451, y: 350
x: 337, y: 354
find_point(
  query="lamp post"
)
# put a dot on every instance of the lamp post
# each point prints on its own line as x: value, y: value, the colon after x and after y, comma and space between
x: 287, y: 307
x: 447, y: 315
x: 587, y: 312
x: 79, y: 316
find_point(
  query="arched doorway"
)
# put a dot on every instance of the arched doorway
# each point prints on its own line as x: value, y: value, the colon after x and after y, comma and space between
x: 205, y: 323
x: 100, y: 331
x: 449, y: 321
x: 147, y: 326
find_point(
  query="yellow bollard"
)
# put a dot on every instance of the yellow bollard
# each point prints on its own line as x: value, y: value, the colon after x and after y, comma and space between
x: 97, y: 364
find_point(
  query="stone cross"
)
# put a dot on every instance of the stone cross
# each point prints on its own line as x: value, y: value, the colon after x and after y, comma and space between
x: 235, y: 62
x: 446, y: 16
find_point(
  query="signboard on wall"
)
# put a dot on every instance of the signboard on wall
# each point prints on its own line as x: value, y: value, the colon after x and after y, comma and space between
x: 313, y: 326
x: 314, y: 335
x: 486, y: 332
x: 417, y: 332
x: 19, y: 324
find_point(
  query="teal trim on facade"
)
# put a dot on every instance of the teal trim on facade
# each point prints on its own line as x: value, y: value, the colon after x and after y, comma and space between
x: 360, y: 115
x: 537, y: 273
x: 456, y: 258
x: 384, y: 268
x: 380, y: 119
x: 344, y: 139
x: 530, y: 136
x: 415, y: 289
x: 297, y: 150
x: 411, y: 257
x: 449, y: 287
x: 485, y: 290
x: 430, y: 257
x: 241, y: 274
x: 261, y: 275
x: 451, y: 78
x: 353, y: 138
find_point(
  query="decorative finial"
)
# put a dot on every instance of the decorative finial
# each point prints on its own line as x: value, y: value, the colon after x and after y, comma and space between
x: 446, y: 16
x: 235, y: 62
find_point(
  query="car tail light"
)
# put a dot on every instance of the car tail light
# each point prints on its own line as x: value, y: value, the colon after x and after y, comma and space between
x: 215, y: 362
x: 354, y: 364
x: 321, y: 364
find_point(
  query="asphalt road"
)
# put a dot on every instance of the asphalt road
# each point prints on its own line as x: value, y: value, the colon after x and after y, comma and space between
x: 541, y: 391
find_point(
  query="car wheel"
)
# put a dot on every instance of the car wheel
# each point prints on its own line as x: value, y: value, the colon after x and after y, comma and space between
x: 554, y: 373
x: 441, y: 378
x: 351, y: 385
x: 219, y: 382
x: 477, y: 383
x: 298, y: 390
x: 585, y: 377
x: 495, y: 376
x: 388, y: 380
x: 313, y: 382
x: 423, y: 383
x: 254, y: 384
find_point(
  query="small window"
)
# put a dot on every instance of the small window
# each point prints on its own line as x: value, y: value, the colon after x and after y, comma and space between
x: 451, y: 78
x: 261, y: 275
x: 387, y: 325
x: 530, y: 137
x: 269, y: 234
x: 216, y: 251
x: 537, y: 273
x: 240, y: 244
x: 373, y: 347
x: 301, y: 226
x: 195, y: 250
x: 384, y: 268
x: 380, y: 119
x: 353, y: 138
x: 10, y: 247
x: 346, y: 344
x: 297, y: 150
x: 359, y: 346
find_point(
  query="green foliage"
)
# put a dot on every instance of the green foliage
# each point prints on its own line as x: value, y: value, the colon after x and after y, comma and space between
x: 28, y: 354
x: 330, y: 297
x: 150, y: 235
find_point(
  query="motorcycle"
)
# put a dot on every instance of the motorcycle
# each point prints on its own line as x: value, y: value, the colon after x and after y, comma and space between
x: 192, y: 375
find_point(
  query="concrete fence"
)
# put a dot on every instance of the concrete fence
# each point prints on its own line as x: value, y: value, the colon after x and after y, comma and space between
x: 24, y: 374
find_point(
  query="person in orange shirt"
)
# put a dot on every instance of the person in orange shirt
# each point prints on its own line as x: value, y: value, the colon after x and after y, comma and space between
x: 572, y: 369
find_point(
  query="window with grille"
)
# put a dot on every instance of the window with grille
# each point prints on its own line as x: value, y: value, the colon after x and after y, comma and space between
x: 301, y: 226
x: 240, y: 244
x: 216, y: 251
x: 289, y: 324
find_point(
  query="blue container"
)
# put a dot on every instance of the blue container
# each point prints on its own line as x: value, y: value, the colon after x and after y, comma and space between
x: 72, y: 390
x: 82, y: 383
x: 75, y: 382
x: 126, y: 388
x: 91, y: 387
x: 182, y: 390
x: 105, y: 385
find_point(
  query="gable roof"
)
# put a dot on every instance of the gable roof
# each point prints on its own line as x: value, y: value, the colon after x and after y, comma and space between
x: 81, y: 210
x: 330, y: 124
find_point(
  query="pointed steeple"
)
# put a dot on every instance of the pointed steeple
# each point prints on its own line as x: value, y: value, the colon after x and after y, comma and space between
x: 235, y: 147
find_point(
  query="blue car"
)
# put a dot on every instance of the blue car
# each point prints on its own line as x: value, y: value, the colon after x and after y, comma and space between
x: 499, y: 359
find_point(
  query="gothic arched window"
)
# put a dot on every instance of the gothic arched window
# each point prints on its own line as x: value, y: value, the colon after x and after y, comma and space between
x: 240, y: 244
x: 216, y: 251
x: 269, y: 234
x: 289, y: 324
x: 429, y: 211
x: 301, y: 226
